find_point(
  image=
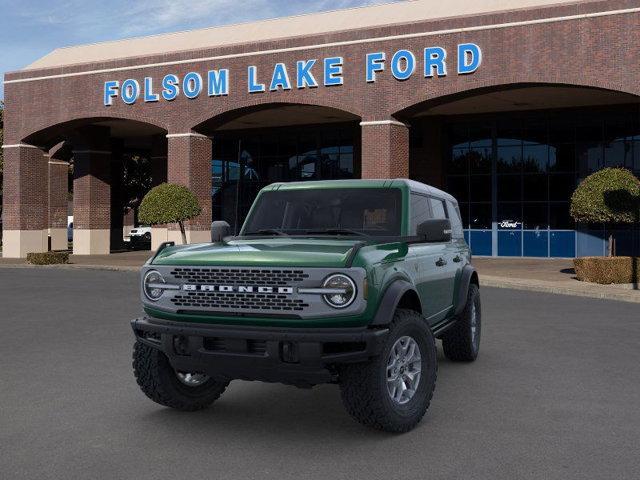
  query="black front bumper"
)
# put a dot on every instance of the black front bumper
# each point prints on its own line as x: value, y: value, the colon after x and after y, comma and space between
x: 297, y: 356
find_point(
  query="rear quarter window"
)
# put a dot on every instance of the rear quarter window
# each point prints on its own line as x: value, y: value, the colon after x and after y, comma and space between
x: 438, y: 208
x: 456, y: 222
x: 420, y: 211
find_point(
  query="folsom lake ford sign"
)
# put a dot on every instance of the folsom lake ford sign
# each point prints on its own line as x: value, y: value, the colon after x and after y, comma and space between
x: 309, y: 73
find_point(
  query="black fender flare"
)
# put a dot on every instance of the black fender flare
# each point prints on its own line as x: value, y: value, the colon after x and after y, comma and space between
x: 390, y: 301
x: 468, y: 273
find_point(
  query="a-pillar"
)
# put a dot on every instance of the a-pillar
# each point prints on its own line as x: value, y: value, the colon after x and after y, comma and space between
x: 25, y: 211
x: 92, y: 192
x: 385, y: 149
x: 58, y: 192
x: 159, y: 233
x: 189, y: 164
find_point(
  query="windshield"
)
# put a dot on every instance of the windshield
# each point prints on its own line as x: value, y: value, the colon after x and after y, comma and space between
x: 339, y: 211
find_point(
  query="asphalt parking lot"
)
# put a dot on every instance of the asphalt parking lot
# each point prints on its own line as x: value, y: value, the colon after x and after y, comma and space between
x: 555, y: 393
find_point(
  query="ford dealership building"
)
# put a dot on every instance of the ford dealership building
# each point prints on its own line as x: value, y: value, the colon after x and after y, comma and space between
x: 506, y: 104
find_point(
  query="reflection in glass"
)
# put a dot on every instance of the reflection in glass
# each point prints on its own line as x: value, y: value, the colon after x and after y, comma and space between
x: 562, y: 158
x: 535, y: 188
x: 510, y: 159
x: 538, y: 159
x: 559, y: 217
x: 618, y: 154
x: 480, y: 160
x: 459, y: 161
x: 561, y: 186
x: 589, y: 157
x: 535, y: 158
x: 464, y: 214
x: 278, y: 155
x: 535, y: 216
x: 481, y: 188
x: 480, y: 215
x: 458, y: 186
x: 510, y: 187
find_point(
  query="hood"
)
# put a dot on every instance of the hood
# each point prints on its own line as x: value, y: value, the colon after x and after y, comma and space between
x: 271, y: 252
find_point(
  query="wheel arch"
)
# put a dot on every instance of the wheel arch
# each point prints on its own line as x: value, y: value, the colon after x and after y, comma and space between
x: 469, y: 276
x: 399, y: 294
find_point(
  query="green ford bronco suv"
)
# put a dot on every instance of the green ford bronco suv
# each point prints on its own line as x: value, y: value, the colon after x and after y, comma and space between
x: 346, y: 282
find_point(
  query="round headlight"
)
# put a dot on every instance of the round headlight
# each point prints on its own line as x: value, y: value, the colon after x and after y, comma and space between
x: 344, y: 291
x: 152, y: 285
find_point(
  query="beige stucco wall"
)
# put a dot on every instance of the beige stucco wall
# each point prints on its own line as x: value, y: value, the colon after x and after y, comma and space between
x: 301, y: 25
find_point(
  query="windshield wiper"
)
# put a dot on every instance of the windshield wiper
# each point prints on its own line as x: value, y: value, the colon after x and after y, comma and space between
x: 337, y: 231
x: 268, y: 231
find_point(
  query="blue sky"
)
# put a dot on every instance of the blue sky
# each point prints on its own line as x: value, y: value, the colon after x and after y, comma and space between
x: 30, y: 29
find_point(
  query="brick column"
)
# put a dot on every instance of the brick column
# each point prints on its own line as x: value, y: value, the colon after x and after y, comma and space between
x: 92, y: 192
x: 58, y: 191
x: 59, y: 157
x: 189, y: 164
x: 25, y: 211
x: 385, y: 149
x: 159, y: 233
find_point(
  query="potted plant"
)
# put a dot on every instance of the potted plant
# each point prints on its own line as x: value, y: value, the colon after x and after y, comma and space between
x: 610, y: 196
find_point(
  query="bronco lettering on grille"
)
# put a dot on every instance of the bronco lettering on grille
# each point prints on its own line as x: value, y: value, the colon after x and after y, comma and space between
x: 238, y: 289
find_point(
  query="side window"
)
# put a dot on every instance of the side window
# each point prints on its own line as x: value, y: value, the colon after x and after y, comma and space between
x: 456, y: 222
x: 437, y: 206
x: 419, y: 211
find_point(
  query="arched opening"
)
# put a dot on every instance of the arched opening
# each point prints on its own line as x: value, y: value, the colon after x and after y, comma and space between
x: 513, y: 155
x: 111, y: 164
x: 259, y: 145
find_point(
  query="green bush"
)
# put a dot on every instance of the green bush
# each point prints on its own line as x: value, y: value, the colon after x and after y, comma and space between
x: 607, y: 270
x: 169, y: 203
x: 48, y: 258
x: 611, y: 195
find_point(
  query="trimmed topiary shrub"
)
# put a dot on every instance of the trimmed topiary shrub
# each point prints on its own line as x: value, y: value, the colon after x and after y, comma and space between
x: 607, y: 270
x: 48, y: 258
x: 169, y: 203
x: 611, y: 195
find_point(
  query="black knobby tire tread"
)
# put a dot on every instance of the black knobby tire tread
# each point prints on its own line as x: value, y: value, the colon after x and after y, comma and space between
x: 148, y: 365
x: 361, y: 393
x: 456, y: 343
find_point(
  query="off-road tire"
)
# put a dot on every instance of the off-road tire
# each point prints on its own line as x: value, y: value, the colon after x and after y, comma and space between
x: 158, y: 381
x: 363, y: 386
x: 458, y: 343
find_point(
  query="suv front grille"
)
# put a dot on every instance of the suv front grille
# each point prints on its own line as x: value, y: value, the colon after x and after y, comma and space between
x: 238, y: 301
x: 238, y: 276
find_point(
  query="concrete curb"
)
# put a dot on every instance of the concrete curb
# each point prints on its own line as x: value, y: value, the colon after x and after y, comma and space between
x: 604, y: 292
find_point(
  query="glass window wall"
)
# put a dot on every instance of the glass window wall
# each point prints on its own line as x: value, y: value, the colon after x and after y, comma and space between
x: 514, y: 173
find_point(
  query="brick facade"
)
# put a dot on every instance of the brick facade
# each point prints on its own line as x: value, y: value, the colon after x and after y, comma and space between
x: 589, y: 43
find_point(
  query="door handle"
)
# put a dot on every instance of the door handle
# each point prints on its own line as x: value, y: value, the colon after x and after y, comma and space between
x: 441, y: 262
x: 457, y: 259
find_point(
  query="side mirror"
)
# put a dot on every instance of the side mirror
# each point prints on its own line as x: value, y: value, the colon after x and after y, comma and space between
x: 435, y: 230
x: 219, y: 230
